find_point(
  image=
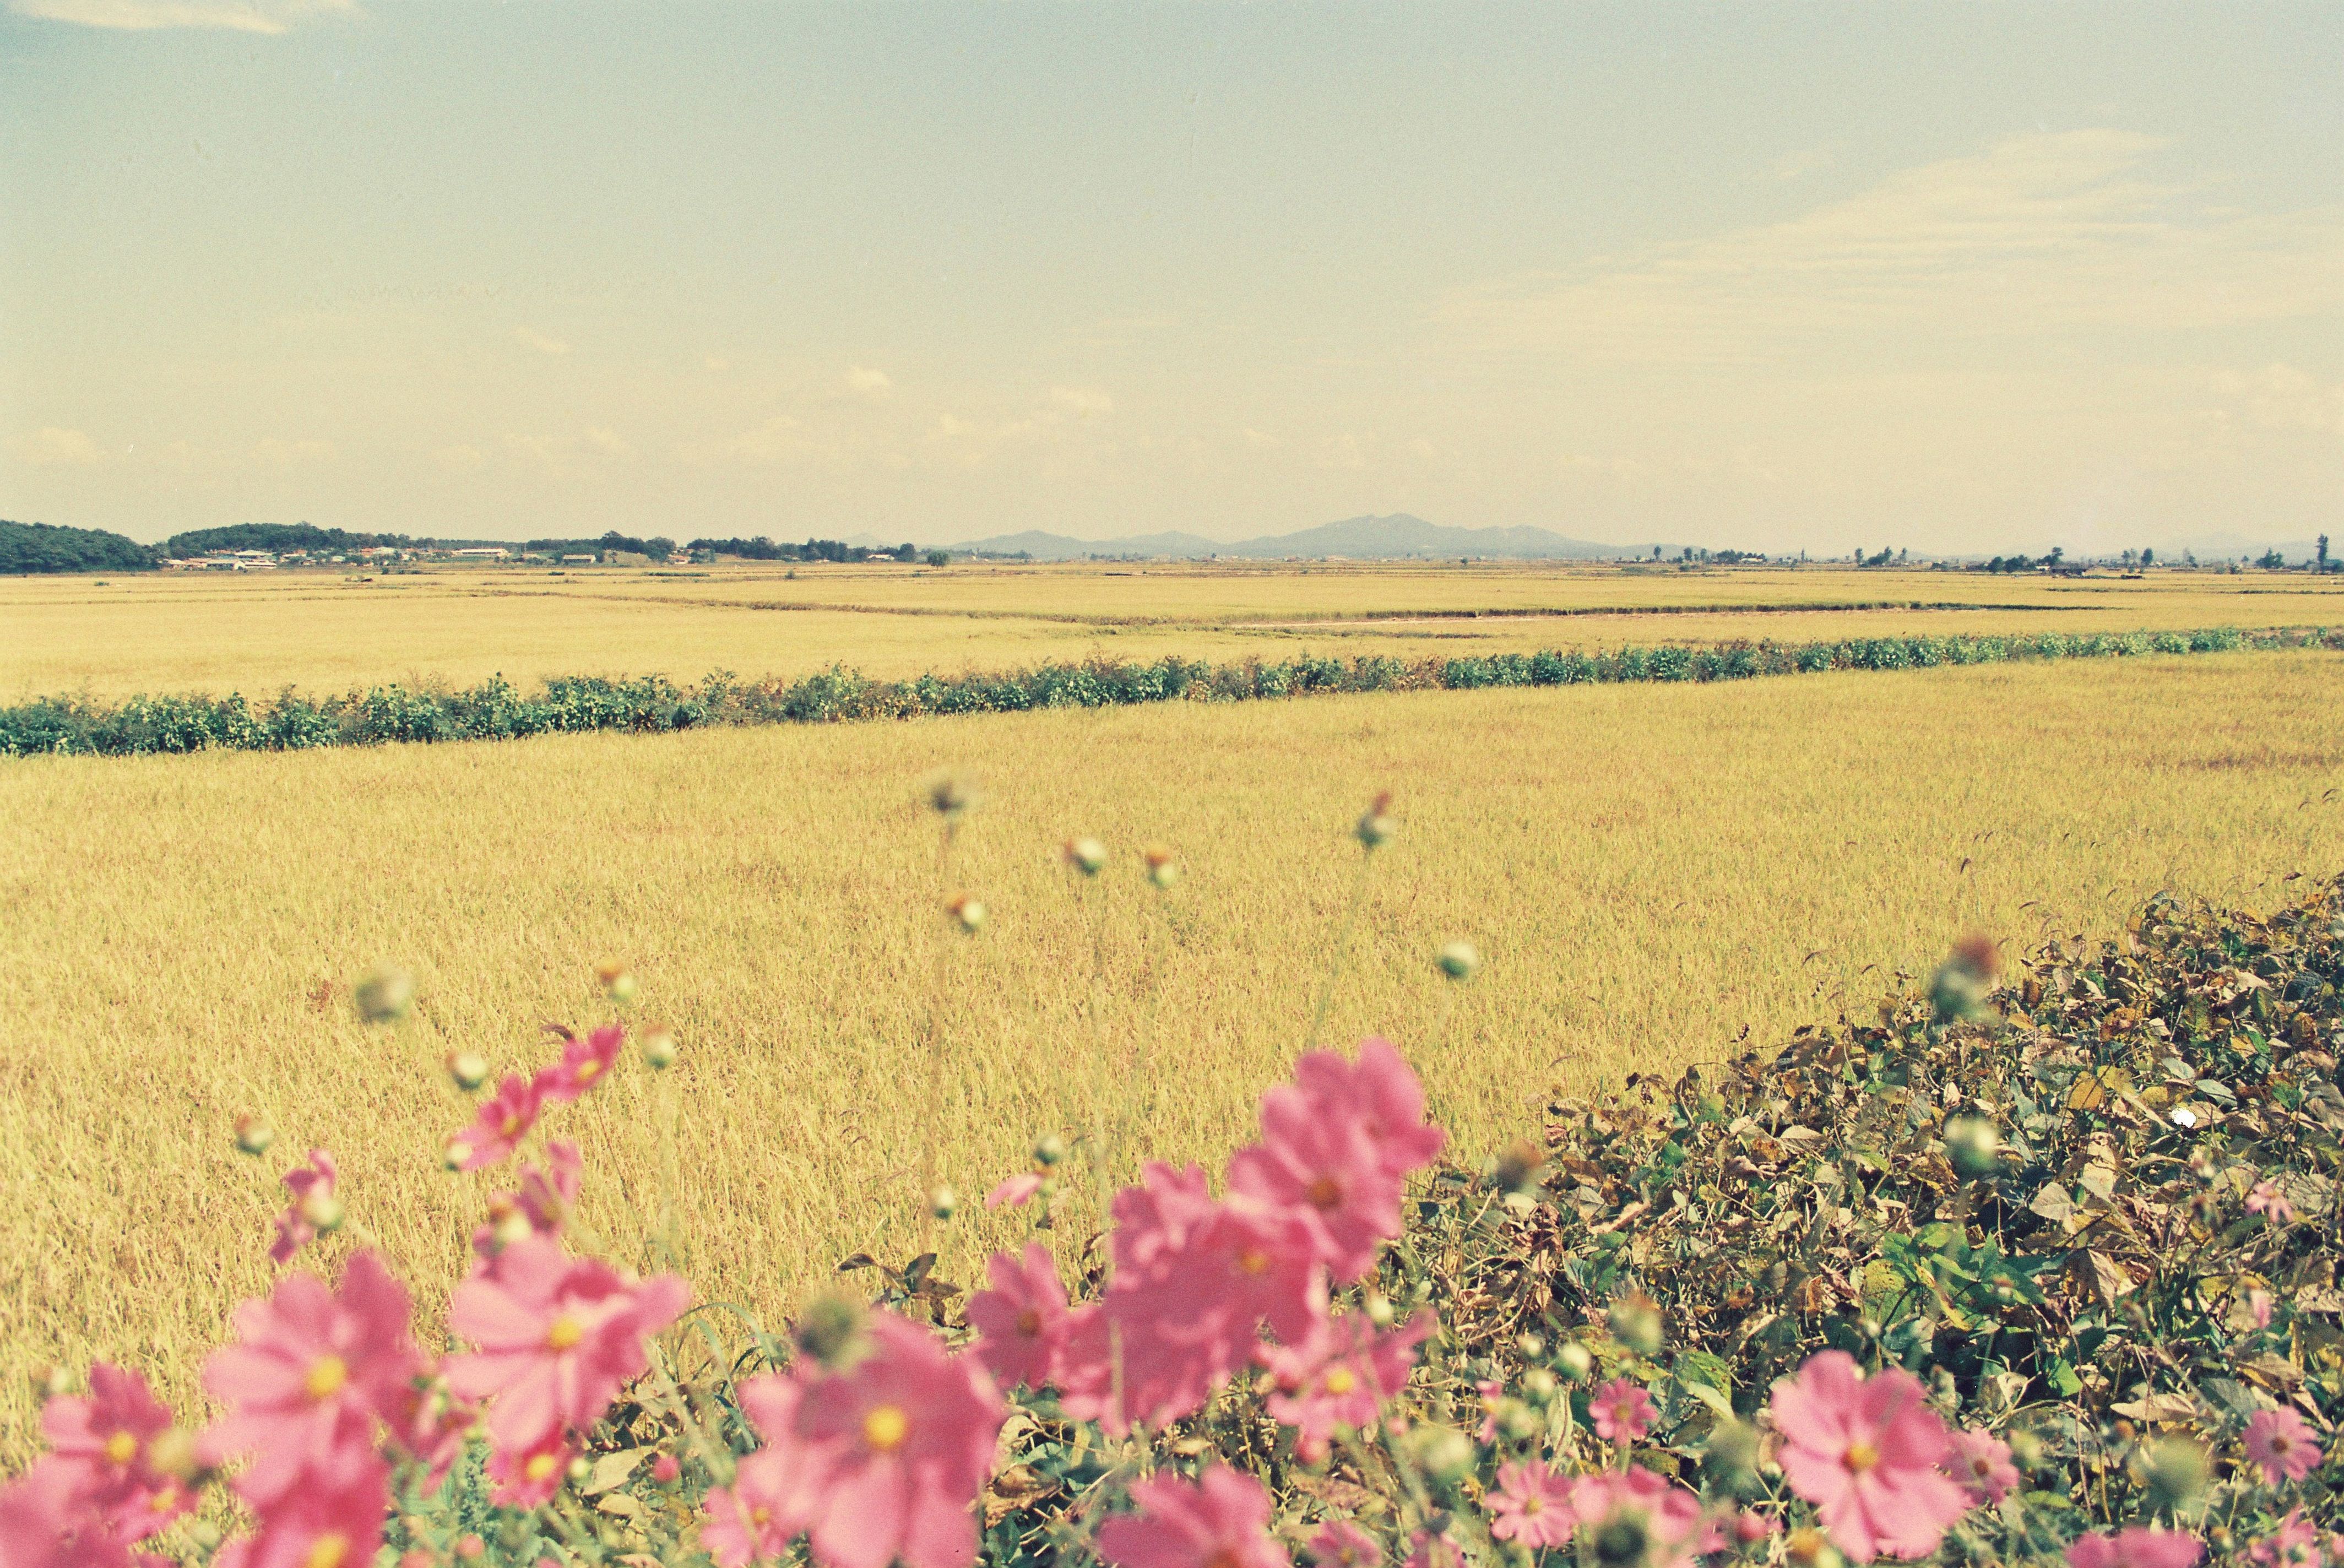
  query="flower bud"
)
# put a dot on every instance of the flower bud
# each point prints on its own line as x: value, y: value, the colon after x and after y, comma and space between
x: 1517, y: 1166
x: 664, y: 1469
x: 951, y: 795
x: 1087, y: 855
x: 1574, y: 1361
x: 1517, y: 1419
x: 831, y: 1330
x: 943, y: 1201
x: 659, y: 1047
x: 1731, y: 1452
x: 1049, y: 1149
x: 1458, y: 961
x: 1750, y: 1528
x: 253, y: 1133
x: 471, y: 1548
x: 203, y: 1535
x: 1162, y: 869
x: 457, y: 1152
x: 1375, y: 825
x: 321, y: 1208
x: 385, y: 996
x: 173, y: 1452
x: 1442, y: 1454
x: 1532, y: 1346
x: 1972, y: 1144
x: 968, y: 912
x: 1540, y: 1386
x: 618, y: 980
x: 2025, y: 1448
x: 1636, y: 1323
x: 1811, y: 1548
x: 2174, y: 1469
x: 512, y: 1227
x: 468, y: 1068
x: 1379, y: 1309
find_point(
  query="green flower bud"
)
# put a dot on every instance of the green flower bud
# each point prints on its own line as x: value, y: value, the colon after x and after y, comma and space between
x: 1540, y: 1386
x: 659, y: 1047
x: 253, y: 1133
x: 1458, y: 961
x: 1375, y: 826
x: 1972, y: 1144
x: 2174, y: 1469
x: 322, y: 1209
x: 469, y: 1070
x: 951, y: 795
x: 1636, y: 1323
x: 1162, y: 869
x: 943, y: 1201
x: 968, y: 911
x: 1087, y: 855
x: 831, y: 1330
x: 1442, y: 1452
x: 1049, y: 1149
x: 1575, y: 1361
x: 385, y: 996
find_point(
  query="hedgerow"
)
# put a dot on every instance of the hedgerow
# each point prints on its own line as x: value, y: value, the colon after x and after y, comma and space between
x: 2013, y: 1271
x: 496, y: 710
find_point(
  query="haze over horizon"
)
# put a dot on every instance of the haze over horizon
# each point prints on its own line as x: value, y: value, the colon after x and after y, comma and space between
x: 1954, y: 278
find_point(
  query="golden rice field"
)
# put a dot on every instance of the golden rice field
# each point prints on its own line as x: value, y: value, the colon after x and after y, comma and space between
x: 326, y: 632
x: 1650, y: 870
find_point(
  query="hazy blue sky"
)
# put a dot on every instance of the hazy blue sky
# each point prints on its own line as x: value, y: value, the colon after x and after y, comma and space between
x: 1971, y: 276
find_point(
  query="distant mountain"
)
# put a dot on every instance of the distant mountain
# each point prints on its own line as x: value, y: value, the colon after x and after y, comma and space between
x: 1399, y: 537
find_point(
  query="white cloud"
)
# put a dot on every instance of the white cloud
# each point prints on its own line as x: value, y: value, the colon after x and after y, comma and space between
x: 2039, y: 234
x: 264, y: 16
x: 52, y: 447
x: 461, y: 458
x: 865, y: 382
x: 528, y: 337
x: 609, y: 443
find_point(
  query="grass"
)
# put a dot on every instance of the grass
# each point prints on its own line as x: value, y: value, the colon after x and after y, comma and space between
x: 1648, y: 870
x: 181, y: 632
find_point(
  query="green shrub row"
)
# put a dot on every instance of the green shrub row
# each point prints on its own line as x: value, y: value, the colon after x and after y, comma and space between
x: 496, y: 710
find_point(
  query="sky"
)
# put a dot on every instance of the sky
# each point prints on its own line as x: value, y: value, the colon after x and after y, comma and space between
x: 1954, y: 278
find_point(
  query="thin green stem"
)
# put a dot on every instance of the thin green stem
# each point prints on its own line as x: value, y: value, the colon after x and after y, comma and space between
x: 1342, y: 951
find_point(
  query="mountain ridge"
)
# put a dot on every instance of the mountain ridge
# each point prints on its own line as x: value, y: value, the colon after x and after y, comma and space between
x: 1397, y: 536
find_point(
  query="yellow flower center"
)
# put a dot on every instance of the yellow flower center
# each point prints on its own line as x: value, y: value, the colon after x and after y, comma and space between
x: 512, y: 1124
x: 587, y: 1069
x: 1533, y: 1503
x: 565, y: 1333
x: 760, y: 1516
x: 327, y: 1551
x: 1342, y: 1381
x: 885, y: 1427
x: 121, y: 1448
x: 165, y: 1501
x: 1029, y: 1322
x: 1860, y: 1456
x: 540, y: 1466
x: 1324, y: 1193
x: 327, y: 1375
x: 1253, y: 1261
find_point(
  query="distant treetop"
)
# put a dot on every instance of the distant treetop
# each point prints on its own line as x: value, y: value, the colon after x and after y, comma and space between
x: 36, y: 547
x: 276, y: 537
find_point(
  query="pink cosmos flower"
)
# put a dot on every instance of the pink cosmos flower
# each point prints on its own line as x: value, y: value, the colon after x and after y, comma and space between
x: 2280, y: 1442
x: 1749, y: 1526
x: 1022, y: 1322
x: 2269, y: 1201
x: 1218, y: 1521
x: 755, y: 1517
x: 104, y: 1440
x: 558, y: 1338
x: 1014, y: 1192
x: 1621, y: 1410
x: 584, y: 1063
x: 2294, y: 1544
x: 1979, y: 1463
x: 312, y: 1187
x: 1865, y: 1451
x: 1194, y: 1282
x: 528, y: 1478
x: 882, y: 1461
x: 1634, y: 1515
x: 1430, y: 1551
x: 337, y: 1527
x: 46, y: 1521
x: 2136, y: 1547
x: 502, y: 1123
x: 1340, y: 1543
x: 431, y: 1425
x: 1381, y: 1094
x: 1531, y: 1505
x: 1328, y: 1172
x: 542, y: 1203
x: 1491, y: 1392
x: 311, y: 1372
x: 1340, y: 1376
